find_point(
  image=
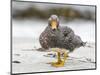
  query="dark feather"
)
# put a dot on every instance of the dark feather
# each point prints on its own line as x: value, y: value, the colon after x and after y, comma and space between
x: 63, y: 37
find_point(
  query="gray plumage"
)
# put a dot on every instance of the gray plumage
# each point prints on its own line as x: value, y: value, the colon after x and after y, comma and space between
x: 62, y: 37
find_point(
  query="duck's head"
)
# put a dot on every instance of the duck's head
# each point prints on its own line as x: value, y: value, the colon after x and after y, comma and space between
x: 54, y: 22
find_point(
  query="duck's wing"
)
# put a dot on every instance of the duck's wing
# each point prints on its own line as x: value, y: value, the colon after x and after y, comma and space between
x: 71, y: 41
x: 77, y: 41
x: 67, y: 32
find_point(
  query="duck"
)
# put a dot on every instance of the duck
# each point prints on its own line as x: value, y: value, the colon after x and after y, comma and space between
x: 60, y: 39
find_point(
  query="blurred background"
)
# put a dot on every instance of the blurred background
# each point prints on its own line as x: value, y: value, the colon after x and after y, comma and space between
x: 25, y: 10
x: 29, y: 19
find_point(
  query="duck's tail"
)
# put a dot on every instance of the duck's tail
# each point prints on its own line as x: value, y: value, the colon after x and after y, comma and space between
x: 83, y: 44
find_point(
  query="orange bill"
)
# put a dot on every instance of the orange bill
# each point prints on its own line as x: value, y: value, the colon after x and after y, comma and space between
x: 54, y: 24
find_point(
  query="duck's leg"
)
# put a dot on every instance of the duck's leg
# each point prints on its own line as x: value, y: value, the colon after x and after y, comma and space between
x: 65, y: 56
x: 60, y: 63
x: 58, y: 59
